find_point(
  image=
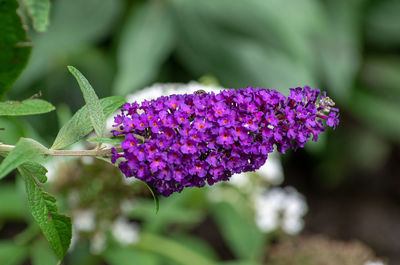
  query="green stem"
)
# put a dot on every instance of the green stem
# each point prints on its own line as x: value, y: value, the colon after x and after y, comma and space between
x: 172, y: 250
x: 94, y: 152
x: 6, y: 147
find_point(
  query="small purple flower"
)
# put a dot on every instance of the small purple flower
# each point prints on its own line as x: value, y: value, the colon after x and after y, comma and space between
x: 181, y: 117
x: 199, y: 169
x: 225, y: 137
x: 332, y: 120
x: 142, y: 171
x: 188, y: 147
x: 239, y: 134
x: 250, y: 123
x: 213, y: 158
x: 178, y: 174
x: 141, y: 152
x: 226, y: 121
x: 130, y: 142
x: 201, y: 125
x: 157, y: 163
x: 220, y: 109
x: 194, y: 139
x: 173, y: 102
x: 271, y: 119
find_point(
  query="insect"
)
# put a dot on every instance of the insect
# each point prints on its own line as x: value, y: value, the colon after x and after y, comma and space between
x: 199, y: 92
x: 326, y: 103
x: 37, y: 95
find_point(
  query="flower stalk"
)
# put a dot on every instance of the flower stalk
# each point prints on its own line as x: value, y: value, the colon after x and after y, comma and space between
x: 94, y: 152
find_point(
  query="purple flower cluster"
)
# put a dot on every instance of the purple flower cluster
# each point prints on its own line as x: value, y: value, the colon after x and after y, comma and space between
x: 189, y: 140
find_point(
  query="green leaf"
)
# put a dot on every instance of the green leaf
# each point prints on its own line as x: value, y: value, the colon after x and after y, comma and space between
x: 106, y: 140
x: 121, y: 255
x: 25, y: 150
x: 240, y: 232
x: 12, y: 254
x: 14, y: 46
x: 79, y: 125
x: 42, y: 254
x: 37, y: 170
x: 172, y: 250
x: 26, y: 107
x: 93, y: 104
x: 39, y: 11
x: 146, y: 40
x: 57, y: 228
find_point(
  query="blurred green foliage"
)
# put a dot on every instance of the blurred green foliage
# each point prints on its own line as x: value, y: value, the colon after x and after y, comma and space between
x: 348, y: 47
x: 14, y: 46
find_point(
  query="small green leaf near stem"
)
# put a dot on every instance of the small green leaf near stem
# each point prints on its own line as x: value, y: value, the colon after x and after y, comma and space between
x: 154, y: 194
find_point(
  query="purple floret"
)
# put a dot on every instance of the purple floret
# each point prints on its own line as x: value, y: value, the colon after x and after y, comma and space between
x: 196, y: 139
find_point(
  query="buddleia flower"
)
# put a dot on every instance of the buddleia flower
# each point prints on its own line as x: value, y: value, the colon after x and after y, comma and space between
x: 191, y: 140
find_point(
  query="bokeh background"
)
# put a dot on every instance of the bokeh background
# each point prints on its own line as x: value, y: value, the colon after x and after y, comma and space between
x: 350, y: 178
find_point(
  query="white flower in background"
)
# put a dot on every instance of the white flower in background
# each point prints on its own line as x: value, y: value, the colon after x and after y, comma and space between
x: 280, y: 208
x: 239, y: 180
x: 84, y: 220
x: 158, y: 90
x: 272, y: 170
x: 374, y: 263
x: 98, y: 243
x: 124, y: 231
x: 53, y: 165
x: 147, y: 93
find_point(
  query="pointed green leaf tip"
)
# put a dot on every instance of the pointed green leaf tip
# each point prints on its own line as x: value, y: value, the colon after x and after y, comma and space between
x: 92, y: 101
